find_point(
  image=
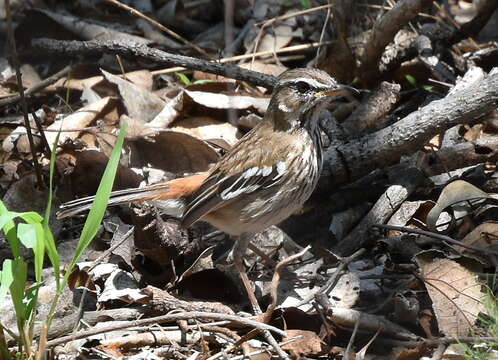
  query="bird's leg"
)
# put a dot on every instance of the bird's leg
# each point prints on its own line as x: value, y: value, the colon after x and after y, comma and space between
x: 238, y: 251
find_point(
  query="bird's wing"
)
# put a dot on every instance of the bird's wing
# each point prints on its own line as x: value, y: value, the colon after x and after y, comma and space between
x: 219, y: 190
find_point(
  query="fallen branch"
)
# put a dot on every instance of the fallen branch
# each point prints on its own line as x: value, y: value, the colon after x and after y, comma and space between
x: 475, y: 95
x: 95, y: 47
x: 164, y: 319
x: 405, y: 184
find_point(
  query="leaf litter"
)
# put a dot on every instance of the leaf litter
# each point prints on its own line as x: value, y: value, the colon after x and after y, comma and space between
x: 407, y: 287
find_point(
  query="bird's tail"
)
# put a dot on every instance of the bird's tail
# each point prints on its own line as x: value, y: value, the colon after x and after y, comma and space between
x: 169, y: 196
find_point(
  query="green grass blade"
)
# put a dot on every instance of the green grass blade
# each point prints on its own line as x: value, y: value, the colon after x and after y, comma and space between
x: 184, y: 79
x: 20, y: 269
x: 52, y: 252
x: 99, y: 205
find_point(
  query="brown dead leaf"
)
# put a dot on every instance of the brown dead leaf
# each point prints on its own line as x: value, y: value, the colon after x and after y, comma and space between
x: 9, y: 170
x: 76, y: 83
x: 168, y: 114
x: 222, y: 101
x: 455, y: 192
x: 308, y: 344
x: 88, y: 170
x: 139, y: 103
x: 174, y: 151
x: 484, y: 236
x: 409, y: 354
x: 474, y: 133
x: 425, y: 322
x: 278, y: 36
x: 455, y: 292
x: 270, y: 69
x: 78, y: 120
x: 141, y: 78
x: 208, y: 129
x: 30, y: 76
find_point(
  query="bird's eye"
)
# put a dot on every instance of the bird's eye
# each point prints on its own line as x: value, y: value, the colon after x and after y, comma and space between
x: 303, y: 86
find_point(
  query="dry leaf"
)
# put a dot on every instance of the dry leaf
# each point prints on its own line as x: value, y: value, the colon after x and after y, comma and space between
x: 455, y: 192
x: 78, y: 120
x: 484, y: 236
x: 75, y: 83
x: 208, y: 129
x: 410, y: 354
x: 276, y: 38
x: 308, y: 343
x: 175, y: 152
x: 168, y: 114
x: 88, y: 170
x: 222, y: 101
x: 139, y: 103
x: 455, y: 292
x: 120, y: 285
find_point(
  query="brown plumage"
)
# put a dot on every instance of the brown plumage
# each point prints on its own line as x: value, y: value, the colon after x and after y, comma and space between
x: 263, y: 179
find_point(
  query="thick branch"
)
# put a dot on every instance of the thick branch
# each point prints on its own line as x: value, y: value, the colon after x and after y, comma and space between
x: 93, y: 47
x: 474, y: 96
x: 383, y: 33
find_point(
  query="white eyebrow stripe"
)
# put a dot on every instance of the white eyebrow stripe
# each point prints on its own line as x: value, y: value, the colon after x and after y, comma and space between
x: 312, y: 82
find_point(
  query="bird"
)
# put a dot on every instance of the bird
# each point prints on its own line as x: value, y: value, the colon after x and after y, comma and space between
x: 262, y: 180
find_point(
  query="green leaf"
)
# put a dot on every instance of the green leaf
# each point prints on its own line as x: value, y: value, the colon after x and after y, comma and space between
x: 6, y: 278
x: 184, y: 79
x: 306, y: 3
x: 31, y: 217
x: 31, y: 236
x: 31, y: 299
x: 411, y: 79
x: 428, y: 87
x: 203, y: 81
x: 99, y: 205
x: 9, y: 229
x: 27, y: 234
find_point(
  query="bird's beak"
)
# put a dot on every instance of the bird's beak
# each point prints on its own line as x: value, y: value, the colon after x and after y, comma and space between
x: 340, y: 90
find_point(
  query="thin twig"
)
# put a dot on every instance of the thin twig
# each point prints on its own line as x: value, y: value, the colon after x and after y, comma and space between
x: 39, y: 126
x: 332, y: 281
x: 166, y: 318
x: 40, y: 86
x: 276, y: 280
x: 287, y: 49
x: 15, y: 61
x: 160, y: 27
x: 294, y: 14
x: 438, y: 237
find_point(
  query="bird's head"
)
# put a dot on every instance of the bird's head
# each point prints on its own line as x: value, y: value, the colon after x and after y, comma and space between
x: 299, y: 96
